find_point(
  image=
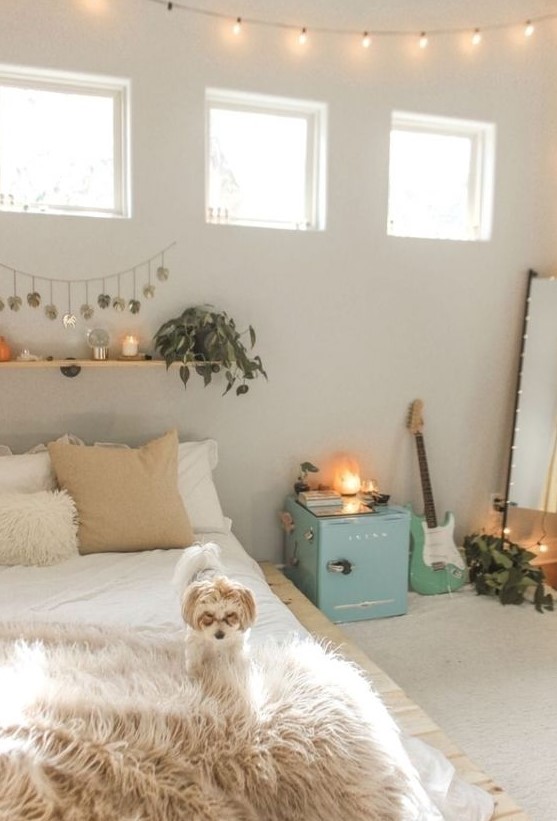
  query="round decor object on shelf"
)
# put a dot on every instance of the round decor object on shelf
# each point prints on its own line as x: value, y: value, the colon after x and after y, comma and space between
x: 98, y: 340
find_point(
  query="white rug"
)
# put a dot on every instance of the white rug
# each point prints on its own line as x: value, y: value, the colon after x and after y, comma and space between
x: 487, y: 674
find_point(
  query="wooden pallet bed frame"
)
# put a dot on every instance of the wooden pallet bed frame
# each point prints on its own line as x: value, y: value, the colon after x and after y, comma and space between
x: 411, y: 719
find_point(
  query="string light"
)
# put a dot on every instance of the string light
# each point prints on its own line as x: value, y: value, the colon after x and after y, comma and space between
x: 237, y: 27
x: 528, y: 26
x: 476, y: 37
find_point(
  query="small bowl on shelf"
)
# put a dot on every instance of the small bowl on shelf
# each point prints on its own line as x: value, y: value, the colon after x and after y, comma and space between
x: 381, y: 498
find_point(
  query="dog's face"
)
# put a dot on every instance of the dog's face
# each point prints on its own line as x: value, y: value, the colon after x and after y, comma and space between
x: 218, y: 608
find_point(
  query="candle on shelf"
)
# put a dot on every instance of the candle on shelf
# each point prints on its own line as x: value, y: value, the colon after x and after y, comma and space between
x: 130, y: 345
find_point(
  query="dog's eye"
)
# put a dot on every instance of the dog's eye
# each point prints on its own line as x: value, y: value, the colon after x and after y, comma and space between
x: 207, y: 619
x: 231, y: 619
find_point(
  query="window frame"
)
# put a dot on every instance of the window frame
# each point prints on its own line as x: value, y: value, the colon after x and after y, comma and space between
x: 481, y: 178
x: 115, y: 88
x: 315, y: 115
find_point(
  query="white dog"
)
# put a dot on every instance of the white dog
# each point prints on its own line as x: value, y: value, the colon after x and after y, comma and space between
x: 218, y: 611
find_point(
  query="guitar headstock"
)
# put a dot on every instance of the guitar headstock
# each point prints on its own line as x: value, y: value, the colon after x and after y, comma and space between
x: 415, y: 420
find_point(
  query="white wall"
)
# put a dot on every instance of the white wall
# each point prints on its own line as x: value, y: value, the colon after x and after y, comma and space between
x: 352, y: 325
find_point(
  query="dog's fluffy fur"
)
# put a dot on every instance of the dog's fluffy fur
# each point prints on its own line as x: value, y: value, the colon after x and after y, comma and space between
x: 218, y: 611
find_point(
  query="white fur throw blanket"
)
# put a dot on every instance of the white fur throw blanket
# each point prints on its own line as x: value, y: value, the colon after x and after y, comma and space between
x: 98, y: 724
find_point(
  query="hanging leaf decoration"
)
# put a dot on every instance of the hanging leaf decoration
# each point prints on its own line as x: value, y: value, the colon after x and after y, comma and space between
x: 33, y: 299
x: 122, y: 302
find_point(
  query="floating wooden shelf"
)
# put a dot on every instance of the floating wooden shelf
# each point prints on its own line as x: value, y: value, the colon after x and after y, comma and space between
x: 72, y: 367
x: 82, y: 363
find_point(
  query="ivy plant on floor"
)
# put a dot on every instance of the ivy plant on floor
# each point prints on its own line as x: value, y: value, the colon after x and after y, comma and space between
x: 502, y: 568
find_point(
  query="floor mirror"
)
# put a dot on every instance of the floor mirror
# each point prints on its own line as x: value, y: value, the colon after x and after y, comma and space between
x: 532, y: 468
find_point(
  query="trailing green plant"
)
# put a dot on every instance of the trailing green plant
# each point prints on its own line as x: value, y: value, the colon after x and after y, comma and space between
x: 502, y: 568
x: 205, y: 340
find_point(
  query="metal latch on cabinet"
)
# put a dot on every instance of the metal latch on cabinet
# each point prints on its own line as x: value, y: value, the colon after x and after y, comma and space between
x: 340, y: 566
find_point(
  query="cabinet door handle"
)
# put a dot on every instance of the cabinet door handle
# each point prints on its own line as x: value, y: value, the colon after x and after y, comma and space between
x: 309, y: 534
x: 340, y: 566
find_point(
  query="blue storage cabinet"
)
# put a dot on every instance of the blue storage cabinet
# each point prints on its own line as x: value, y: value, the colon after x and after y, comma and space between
x: 351, y: 566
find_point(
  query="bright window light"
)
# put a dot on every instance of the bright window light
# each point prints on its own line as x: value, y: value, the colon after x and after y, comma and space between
x: 63, y: 144
x: 265, y: 161
x: 440, y: 178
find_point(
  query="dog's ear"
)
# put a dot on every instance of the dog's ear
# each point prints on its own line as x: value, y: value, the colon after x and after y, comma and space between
x: 189, y: 604
x: 248, y: 607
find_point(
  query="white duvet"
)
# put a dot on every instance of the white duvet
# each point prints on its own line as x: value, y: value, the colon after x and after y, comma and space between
x: 135, y: 590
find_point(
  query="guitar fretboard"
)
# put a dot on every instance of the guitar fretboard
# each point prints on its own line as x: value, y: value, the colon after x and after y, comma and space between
x: 429, y: 506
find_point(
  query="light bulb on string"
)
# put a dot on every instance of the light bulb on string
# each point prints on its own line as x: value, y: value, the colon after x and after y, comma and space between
x: 303, y: 37
x: 423, y: 40
x: 528, y: 29
x: 366, y: 40
x: 237, y: 27
x: 476, y: 37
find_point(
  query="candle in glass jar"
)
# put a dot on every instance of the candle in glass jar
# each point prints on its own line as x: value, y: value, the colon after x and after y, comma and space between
x: 130, y: 345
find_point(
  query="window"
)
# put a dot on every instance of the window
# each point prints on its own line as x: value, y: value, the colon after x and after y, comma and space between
x: 440, y: 177
x: 63, y: 143
x: 265, y: 163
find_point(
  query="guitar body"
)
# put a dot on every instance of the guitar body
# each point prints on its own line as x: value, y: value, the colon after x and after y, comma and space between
x: 436, y: 565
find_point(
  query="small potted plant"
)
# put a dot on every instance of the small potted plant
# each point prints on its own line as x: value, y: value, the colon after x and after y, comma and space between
x: 206, y: 340
x: 301, y: 484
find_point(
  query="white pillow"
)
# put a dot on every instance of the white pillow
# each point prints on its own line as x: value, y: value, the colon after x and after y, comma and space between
x: 31, y: 472
x: 37, y: 528
x: 26, y: 473
x: 196, y: 462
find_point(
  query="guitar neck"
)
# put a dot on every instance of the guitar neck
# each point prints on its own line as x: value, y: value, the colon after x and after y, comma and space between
x: 429, y: 505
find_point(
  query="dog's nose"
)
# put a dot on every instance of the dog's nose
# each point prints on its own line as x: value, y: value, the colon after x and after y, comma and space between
x: 219, y: 634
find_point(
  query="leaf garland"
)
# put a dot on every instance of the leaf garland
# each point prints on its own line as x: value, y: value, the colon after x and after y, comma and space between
x: 104, y: 300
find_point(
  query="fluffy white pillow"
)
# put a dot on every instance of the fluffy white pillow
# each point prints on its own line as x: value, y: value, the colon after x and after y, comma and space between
x: 196, y: 462
x: 37, y: 528
x: 26, y: 473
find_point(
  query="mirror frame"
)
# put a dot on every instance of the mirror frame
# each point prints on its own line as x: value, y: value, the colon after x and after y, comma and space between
x: 524, y: 335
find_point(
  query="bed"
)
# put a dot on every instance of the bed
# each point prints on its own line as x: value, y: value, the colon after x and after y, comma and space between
x: 95, y: 639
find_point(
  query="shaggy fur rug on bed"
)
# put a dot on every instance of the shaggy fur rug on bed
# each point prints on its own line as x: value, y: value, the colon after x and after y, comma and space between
x: 102, y: 725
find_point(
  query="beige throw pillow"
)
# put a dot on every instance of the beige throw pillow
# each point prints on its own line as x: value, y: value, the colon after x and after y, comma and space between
x: 127, y: 498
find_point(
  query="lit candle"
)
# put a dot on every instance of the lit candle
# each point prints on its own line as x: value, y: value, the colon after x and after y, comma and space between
x: 130, y: 345
x: 349, y: 483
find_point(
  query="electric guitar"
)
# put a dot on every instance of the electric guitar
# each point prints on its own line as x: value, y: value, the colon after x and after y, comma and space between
x: 436, y: 566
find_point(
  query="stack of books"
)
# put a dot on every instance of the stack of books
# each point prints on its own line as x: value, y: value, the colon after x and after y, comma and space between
x: 320, y: 498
